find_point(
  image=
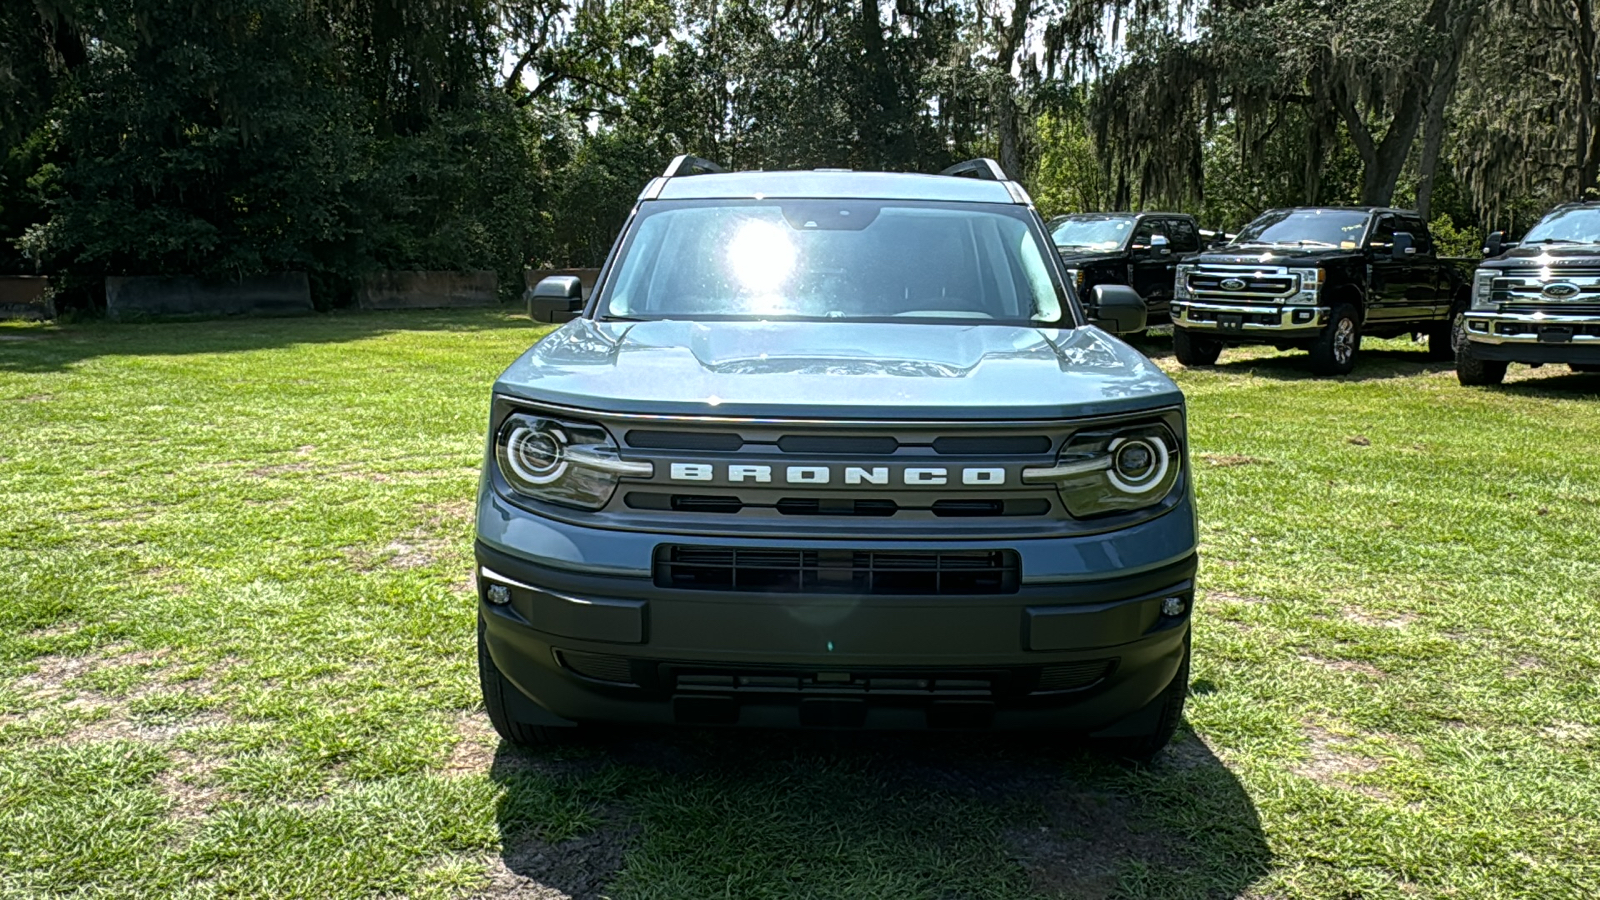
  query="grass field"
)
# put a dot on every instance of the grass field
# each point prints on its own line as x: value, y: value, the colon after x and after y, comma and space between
x: 236, y: 654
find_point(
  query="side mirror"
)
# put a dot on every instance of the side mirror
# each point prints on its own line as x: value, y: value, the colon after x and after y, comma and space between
x: 1118, y: 309
x: 1160, y: 245
x: 555, y: 299
x: 1494, y: 244
x: 1404, y: 245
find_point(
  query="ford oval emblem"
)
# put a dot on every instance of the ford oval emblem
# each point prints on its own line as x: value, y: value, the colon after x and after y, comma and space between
x: 1237, y: 284
x: 1560, y: 290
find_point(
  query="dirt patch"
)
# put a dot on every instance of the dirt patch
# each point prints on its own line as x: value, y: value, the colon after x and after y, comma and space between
x: 191, y: 785
x: 133, y: 714
x: 1344, y: 665
x: 1331, y: 760
x: 1087, y: 842
x: 280, y: 470
x: 578, y: 869
x: 475, y: 749
x: 1568, y: 733
x: 1229, y: 460
x: 1360, y: 440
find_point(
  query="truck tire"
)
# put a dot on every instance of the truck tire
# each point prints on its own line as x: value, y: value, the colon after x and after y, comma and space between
x: 1441, y: 340
x: 496, y: 702
x: 1334, y: 350
x: 1144, y: 748
x: 1194, y: 350
x: 1470, y: 370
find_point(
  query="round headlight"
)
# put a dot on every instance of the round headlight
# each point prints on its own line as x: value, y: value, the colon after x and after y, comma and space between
x: 1138, y: 464
x: 536, y: 455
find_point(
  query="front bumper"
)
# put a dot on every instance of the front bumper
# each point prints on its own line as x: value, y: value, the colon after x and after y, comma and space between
x: 1079, y: 651
x: 1533, y: 338
x: 1250, y: 322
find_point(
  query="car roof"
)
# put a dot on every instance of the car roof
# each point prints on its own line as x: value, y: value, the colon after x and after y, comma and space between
x: 835, y: 185
x: 1361, y: 209
x: 1119, y: 215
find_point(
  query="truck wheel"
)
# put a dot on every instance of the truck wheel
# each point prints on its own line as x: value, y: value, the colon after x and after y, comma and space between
x: 1441, y: 340
x: 1470, y: 370
x: 1144, y: 748
x: 496, y: 701
x: 1193, y: 349
x: 1334, y: 350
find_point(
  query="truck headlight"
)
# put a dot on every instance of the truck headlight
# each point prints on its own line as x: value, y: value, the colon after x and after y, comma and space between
x: 1483, y: 289
x: 559, y: 461
x: 1180, y: 287
x: 1310, y: 286
x: 1117, y: 469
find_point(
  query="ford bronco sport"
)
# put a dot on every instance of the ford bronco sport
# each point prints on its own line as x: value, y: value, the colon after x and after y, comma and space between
x: 836, y: 449
x: 1537, y: 301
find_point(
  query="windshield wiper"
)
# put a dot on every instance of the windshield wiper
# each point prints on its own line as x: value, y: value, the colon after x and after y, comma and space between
x: 1559, y: 241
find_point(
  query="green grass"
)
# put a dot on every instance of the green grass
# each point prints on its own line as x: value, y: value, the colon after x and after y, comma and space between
x: 236, y: 654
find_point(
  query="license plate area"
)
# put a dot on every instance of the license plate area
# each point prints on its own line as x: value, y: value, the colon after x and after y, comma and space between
x: 1555, y: 334
x: 1230, y: 321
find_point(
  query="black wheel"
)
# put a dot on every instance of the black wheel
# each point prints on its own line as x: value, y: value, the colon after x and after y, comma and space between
x: 1585, y: 368
x: 1144, y: 748
x: 1442, y: 340
x: 1470, y: 370
x: 497, y: 693
x: 1334, y: 350
x: 1193, y: 349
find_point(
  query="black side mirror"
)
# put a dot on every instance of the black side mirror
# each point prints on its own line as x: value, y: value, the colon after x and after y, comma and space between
x: 1494, y: 244
x: 555, y: 299
x: 1118, y: 309
x: 1404, y: 245
x: 1159, y: 245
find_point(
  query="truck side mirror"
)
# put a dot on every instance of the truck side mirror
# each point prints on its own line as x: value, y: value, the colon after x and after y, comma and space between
x: 1160, y: 245
x: 557, y: 298
x: 1494, y: 244
x: 1404, y: 245
x: 1117, y: 308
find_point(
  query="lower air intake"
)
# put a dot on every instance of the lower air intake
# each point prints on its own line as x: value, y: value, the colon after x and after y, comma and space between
x: 762, y: 570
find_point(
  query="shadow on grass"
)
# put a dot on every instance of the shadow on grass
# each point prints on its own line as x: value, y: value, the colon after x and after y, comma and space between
x: 53, y: 348
x: 706, y: 812
x: 1371, y: 365
x: 1565, y: 385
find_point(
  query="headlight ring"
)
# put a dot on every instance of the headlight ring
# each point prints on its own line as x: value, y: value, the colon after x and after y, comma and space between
x: 1138, y: 464
x: 537, y: 455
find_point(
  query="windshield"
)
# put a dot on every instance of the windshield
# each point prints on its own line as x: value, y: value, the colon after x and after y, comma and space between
x: 1573, y: 225
x: 1092, y: 232
x: 1307, y: 227
x: 833, y: 259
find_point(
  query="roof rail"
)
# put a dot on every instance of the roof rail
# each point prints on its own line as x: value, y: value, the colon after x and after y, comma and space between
x: 983, y: 167
x: 684, y: 164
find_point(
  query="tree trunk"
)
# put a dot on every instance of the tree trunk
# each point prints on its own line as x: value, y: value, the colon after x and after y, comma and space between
x: 1588, y: 135
x: 1433, y: 134
x: 1008, y: 119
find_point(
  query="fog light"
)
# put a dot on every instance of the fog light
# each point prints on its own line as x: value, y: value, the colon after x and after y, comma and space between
x: 1172, y: 606
x: 500, y: 595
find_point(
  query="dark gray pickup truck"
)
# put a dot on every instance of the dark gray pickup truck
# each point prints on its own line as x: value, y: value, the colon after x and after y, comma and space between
x: 1318, y: 279
x: 838, y: 450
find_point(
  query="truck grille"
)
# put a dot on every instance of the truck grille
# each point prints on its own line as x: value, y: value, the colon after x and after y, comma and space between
x: 1552, y: 309
x: 760, y: 570
x: 1263, y: 283
x: 1524, y: 290
x: 848, y: 507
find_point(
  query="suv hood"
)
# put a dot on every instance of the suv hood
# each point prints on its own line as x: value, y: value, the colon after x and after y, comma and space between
x: 1079, y: 256
x: 837, y: 369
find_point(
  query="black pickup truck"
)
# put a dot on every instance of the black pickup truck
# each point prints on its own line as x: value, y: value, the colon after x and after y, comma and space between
x: 1537, y: 301
x: 1140, y: 250
x: 1318, y: 279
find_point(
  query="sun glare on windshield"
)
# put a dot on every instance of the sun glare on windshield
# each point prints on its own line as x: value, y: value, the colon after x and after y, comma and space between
x: 761, y: 257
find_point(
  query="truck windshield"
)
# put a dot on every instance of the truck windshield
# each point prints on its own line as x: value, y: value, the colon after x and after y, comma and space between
x: 1307, y: 227
x: 1573, y: 225
x: 834, y: 260
x: 1092, y: 232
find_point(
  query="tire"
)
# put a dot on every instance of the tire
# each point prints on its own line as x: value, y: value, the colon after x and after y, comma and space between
x: 1334, y: 351
x: 496, y: 696
x: 1470, y: 370
x: 1442, y: 340
x: 1143, y: 748
x: 1194, y: 350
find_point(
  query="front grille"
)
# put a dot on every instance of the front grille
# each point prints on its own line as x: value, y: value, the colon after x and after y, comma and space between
x: 881, y: 683
x: 1552, y: 309
x: 1255, y: 283
x: 929, y: 572
x: 848, y: 507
